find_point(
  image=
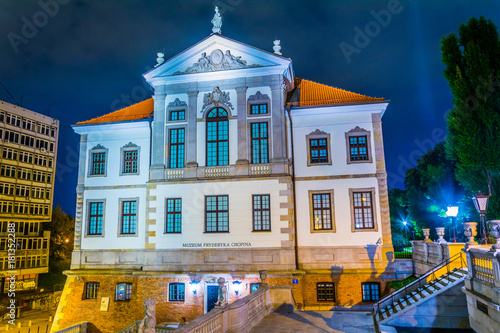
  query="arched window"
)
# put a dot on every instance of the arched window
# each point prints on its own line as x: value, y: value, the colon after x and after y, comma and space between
x: 217, y: 137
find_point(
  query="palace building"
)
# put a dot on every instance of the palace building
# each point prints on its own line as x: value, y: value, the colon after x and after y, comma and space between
x: 233, y: 167
x: 28, y: 148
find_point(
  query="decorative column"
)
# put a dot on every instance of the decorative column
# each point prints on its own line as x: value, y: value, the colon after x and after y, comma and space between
x: 278, y: 118
x: 241, y: 98
x: 192, y: 129
x: 158, y: 148
x: 77, y: 243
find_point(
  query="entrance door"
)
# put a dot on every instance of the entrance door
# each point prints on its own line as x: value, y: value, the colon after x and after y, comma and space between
x: 212, y: 296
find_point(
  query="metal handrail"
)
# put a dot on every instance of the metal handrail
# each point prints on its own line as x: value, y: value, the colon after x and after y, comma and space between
x: 430, y: 273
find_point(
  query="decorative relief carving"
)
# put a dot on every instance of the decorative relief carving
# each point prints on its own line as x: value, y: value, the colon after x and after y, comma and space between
x: 357, y: 129
x: 130, y: 144
x: 317, y: 132
x: 99, y: 146
x: 176, y: 103
x: 217, y: 61
x: 217, y: 97
x: 258, y: 96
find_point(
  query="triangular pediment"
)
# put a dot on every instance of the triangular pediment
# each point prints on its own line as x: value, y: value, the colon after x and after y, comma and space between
x: 216, y: 54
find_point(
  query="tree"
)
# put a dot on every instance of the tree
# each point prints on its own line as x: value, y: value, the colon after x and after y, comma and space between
x: 62, y: 228
x: 473, y: 73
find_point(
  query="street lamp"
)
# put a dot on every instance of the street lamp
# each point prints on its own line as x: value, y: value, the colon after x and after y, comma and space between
x: 404, y: 227
x: 481, y: 203
x: 451, y: 212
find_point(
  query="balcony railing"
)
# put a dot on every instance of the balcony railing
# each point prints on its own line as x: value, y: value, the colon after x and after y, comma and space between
x: 483, y: 266
x: 226, y: 171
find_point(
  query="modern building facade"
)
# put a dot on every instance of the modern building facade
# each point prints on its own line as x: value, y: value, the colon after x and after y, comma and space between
x: 235, y: 166
x: 28, y: 143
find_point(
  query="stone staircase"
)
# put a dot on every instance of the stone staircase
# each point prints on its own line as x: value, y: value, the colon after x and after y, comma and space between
x: 440, y: 278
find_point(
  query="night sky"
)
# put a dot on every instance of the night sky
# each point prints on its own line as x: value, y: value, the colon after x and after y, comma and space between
x: 86, y: 58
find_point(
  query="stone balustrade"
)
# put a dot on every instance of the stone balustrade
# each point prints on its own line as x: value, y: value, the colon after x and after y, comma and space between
x: 239, y: 316
x: 244, y: 170
x: 77, y: 328
x: 426, y: 255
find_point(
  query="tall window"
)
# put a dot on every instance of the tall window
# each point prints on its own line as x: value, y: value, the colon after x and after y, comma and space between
x: 91, y: 290
x: 123, y: 291
x: 363, y: 210
x: 261, y: 212
x: 98, y: 163
x: 217, y: 137
x: 318, y: 150
x: 371, y: 291
x: 217, y: 213
x: 176, y: 292
x: 358, y: 148
x: 325, y: 291
x: 96, y: 215
x: 129, y: 217
x: 177, y: 148
x: 130, y: 161
x: 260, y: 152
x: 174, y: 215
x: 322, y: 211
x: 258, y: 109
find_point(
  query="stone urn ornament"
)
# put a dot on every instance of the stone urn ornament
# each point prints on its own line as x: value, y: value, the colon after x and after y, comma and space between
x: 221, y: 299
x: 148, y: 324
x: 470, y: 231
x: 263, y: 276
x: 426, y: 233
x: 495, y: 232
x: 440, y: 233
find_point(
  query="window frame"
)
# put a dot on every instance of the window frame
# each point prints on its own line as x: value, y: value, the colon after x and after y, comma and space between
x: 216, y: 120
x: 97, y: 150
x: 128, y: 286
x: 121, y: 202
x: 267, y: 138
x: 130, y: 147
x: 93, y: 293
x: 88, y: 216
x: 177, y: 145
x: 372, y: 192
x: 174, y: 284
x: 311, y: 194
x: 262, y: 211
x: 318, y: 135
x: 372, y: 283
x: 325, y: 291
x: 174, y: 213
x: 217, y: 213
x: 357, y: 131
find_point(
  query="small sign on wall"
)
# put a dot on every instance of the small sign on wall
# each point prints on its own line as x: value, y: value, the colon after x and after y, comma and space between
x: 295, y: 281
x: 104, y: 303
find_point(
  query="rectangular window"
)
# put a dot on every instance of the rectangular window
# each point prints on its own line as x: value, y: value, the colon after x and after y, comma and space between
x: 217, y: 213
x: 129, y: 217
x: 318, y: 148
x: 363, y: 210
x: 358, y: 148
x: 98, y: 163
x: 325, y: 291
x: 123, y: 291
x: 96, y: 216
x: 258, y: 109
x: 371, y: 291
x: 259, y: 143
x: 130, y: 161
x: 91, y: 290
x: 261, y: 212
x: 322, y: 211
x: 176, y: 292
x: 174, y: 215
x: 176, y: 148
x: 177, y: 115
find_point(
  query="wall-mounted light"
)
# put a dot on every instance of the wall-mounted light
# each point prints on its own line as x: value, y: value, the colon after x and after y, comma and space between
x: 236, y: 286
x: 194, y: 286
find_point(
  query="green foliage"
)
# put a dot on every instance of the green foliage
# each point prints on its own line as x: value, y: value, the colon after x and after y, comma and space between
x: 472, y: 62
x: 401, y: 283
x: 62, y: 229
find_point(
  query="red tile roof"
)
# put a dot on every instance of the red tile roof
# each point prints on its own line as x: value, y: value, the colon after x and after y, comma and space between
x: 309, y: 93
x: 137, y: 111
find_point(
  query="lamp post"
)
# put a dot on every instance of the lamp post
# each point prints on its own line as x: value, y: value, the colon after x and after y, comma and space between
x: 404, y: 227
x: 452, y: 212
x: 481, y: 203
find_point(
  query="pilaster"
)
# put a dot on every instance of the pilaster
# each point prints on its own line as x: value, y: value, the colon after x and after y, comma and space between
x: 158, y: 148
x: 241, y: 97
x: 192, y: 129
x: 278, y: 122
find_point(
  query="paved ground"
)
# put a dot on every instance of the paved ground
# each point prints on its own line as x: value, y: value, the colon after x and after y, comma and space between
x: 316, y: 321
x: 39, y: 322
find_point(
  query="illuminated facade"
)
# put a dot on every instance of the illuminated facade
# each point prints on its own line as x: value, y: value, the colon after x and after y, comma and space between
x: 28, y: 143
x: 233, y: 167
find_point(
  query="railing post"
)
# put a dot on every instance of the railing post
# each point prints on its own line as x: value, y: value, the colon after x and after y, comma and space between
x: 496, y: 269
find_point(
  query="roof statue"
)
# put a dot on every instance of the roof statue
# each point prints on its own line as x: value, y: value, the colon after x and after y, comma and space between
x: 217, y: 22
x: 277, y: 47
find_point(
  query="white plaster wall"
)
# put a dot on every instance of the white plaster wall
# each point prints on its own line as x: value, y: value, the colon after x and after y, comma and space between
x: 341, y: 201
x: 240, y: 213
x: 111, y: 238
x: 113, y: 138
